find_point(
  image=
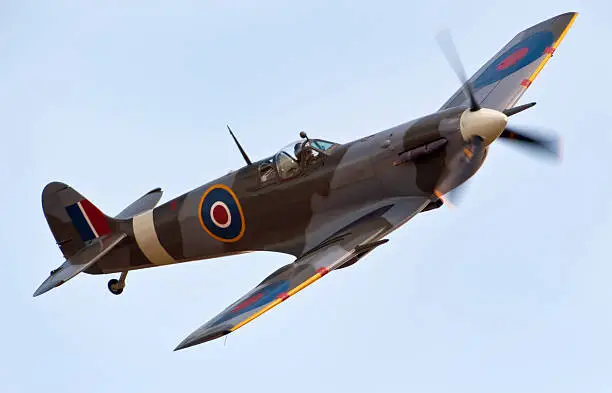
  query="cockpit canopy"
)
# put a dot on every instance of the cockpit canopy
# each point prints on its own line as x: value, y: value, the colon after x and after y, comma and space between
x: 293, y: 159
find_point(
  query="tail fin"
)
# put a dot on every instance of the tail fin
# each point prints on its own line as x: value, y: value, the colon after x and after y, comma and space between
x: 73, y: 220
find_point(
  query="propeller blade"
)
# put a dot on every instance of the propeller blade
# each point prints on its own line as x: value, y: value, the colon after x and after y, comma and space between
x: 445, y: 41
x: 455, y: 196
x: 517, y: 109
x: 550, y: 146
x: 460, y: 169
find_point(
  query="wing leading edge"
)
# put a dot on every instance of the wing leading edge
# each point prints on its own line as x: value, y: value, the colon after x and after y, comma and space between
x: 340, y: 249
x: 501, y: 82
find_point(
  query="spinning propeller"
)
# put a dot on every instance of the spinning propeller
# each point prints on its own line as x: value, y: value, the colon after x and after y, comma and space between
x: 481, y: 126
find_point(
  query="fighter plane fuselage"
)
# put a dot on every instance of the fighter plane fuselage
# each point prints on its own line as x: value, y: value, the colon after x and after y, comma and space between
x: 244, y: 211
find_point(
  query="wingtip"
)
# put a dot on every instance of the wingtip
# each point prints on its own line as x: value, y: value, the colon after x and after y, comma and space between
x: 181, y: 346
x: 195, y: 339
x: 571, y: 14
x: 188, y: 342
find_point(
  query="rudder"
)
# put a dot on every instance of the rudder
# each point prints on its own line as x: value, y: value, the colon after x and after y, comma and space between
x: 74, y: 221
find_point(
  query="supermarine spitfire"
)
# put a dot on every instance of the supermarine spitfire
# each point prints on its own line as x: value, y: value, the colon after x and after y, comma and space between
x: 327, y: 204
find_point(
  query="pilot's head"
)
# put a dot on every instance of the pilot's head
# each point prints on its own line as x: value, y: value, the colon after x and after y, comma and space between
x: 297, y: 149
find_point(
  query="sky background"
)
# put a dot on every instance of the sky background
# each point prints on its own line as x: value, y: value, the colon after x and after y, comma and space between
x: 509, y: 293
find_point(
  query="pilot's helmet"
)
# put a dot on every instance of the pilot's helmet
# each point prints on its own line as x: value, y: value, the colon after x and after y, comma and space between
x: 297, y: 149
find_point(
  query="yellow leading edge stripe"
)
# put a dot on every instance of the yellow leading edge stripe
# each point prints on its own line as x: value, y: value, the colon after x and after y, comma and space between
x: 549, y: 55
x: 278, y: 301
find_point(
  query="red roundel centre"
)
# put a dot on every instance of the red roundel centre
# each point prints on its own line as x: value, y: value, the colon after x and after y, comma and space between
x: 248, y: 302
x: 512, y: 58
x: 220, y: 214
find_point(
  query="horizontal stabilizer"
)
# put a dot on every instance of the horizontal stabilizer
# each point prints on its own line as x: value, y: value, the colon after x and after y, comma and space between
x: 80, y: 261
x: 142, y: 204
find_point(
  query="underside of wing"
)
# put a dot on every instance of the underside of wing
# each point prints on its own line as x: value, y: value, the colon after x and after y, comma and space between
x: 342, y: 248
x: 502, y: 81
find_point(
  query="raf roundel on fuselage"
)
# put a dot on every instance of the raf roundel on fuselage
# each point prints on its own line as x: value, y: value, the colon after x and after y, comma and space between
x: 221, y: 215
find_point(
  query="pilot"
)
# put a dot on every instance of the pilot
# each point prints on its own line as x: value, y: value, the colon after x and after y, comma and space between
x: 304, y: 154
x: 297, y: 150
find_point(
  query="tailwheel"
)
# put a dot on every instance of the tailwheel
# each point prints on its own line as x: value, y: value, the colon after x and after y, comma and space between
x: 116, y: 286
x: 113, y: 286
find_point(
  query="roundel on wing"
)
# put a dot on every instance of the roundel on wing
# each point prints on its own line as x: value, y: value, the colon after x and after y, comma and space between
x: 520, y: 55
x: 221, y: 214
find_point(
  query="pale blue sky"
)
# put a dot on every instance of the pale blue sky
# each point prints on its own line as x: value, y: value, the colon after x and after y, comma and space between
x: 117, y: 99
